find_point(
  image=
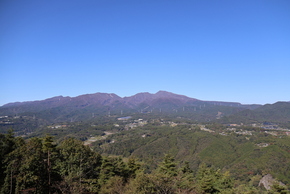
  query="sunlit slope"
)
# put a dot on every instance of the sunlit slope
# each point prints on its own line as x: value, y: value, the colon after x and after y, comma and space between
x: 242, y: 155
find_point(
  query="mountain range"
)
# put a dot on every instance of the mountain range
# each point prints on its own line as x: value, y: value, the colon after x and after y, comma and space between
x: 109, y: 99
x: 81, y: 108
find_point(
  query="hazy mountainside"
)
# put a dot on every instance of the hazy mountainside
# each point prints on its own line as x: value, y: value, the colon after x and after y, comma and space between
x: 151, y: 98
x: 92, y: 107
x: 105, y: 99
x: 102, y: 103
x: 278, y: 112
x: 97, y: 99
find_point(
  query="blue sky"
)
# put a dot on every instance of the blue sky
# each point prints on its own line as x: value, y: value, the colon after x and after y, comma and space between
x: 221, y: 50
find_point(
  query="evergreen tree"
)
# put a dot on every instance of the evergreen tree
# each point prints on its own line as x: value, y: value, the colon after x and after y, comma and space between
x: 77, y: 164
x: 11, y: 162
x: 211, y: 181
x: 278, y: 189
x: 107, y: 170
x: 50, y: 154
x: 26, y: 170
x: 185, y: 178
x: 168, y: 166
x: 111, y: 167
x: 7, y: 145
x: 245, y: 189
x: 115, y: 185
x: 186, y: 169
x: 133, y: 167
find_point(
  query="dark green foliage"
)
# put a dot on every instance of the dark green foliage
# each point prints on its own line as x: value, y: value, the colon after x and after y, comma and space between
x: 8, y: 144
x: 168, y: 166
x: 40, y: 165
x: 77, y: 162
x: 211, y: 181
x: 167, y: 178
x: 278, y: 189
x: 111, y: 167
x: 26, y: 168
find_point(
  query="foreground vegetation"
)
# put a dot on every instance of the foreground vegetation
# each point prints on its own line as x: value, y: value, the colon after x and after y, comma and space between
x: 39, y: 165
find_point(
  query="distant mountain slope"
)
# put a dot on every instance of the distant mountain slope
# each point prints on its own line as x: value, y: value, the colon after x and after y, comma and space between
x: 161, y: 95
x: 59, y: 108
x: 82, y: 100
x: 277, y: 112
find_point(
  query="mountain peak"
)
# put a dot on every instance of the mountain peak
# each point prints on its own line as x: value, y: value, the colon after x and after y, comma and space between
x: 165, y: 94
x: 163, y: 91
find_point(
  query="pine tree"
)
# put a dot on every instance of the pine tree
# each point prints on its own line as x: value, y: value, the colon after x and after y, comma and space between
x: 7, y: 145
x: 50, y: 154
x: 11, y: 163
x: 168, y: 166
x: 278, y: 189
x: 212, y: 181
x: 185, y: 178
x: 77, y: 164
x: 26, y: 169
x: 132, y: 168
x: 107, y: 170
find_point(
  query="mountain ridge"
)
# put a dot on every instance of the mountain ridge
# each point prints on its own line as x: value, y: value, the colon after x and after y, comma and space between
x: 137, y: 97
x: 82, y: 107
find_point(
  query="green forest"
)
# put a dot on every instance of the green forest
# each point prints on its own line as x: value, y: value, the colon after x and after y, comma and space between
x: 41, y: 165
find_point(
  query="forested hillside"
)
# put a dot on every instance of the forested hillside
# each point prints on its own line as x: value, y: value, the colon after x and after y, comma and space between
x: 278, y: 112
x: 39, y: 165
x: 242, y: 153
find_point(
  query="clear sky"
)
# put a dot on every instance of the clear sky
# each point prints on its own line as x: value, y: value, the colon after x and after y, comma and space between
x: 223, y: 50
